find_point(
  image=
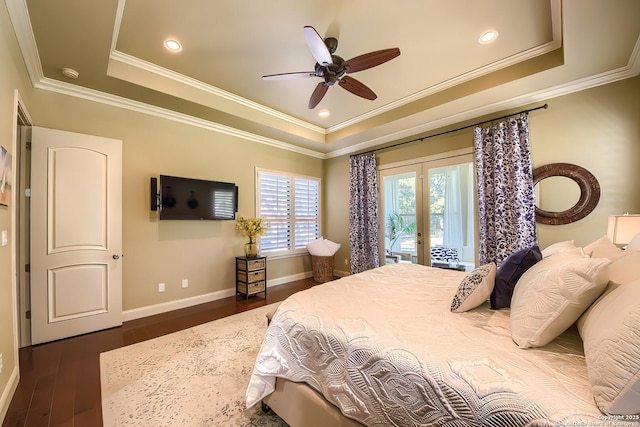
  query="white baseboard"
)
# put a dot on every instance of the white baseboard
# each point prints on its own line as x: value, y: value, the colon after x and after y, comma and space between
x: 9, y: 390
x: 138, y: 313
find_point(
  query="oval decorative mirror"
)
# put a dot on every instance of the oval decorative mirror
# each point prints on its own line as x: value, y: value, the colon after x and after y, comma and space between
x: 589, y: 193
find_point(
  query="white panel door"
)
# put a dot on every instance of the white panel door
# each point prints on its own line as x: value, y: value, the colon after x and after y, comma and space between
x: 76, y: 234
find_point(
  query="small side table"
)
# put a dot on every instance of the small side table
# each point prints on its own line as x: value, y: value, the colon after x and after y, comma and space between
x: 251, y: 276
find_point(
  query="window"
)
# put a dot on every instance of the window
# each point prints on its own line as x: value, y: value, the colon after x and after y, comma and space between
x: 290, y: 206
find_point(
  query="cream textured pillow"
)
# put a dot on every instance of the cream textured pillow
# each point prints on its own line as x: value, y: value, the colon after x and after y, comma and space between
x: 552, y: 294
x: 474, y: 289
x: 603, y: 248
x: 557, y: 248
x: 610, y: 331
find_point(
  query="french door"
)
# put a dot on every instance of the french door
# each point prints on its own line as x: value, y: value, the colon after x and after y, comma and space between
x: 429, y: 212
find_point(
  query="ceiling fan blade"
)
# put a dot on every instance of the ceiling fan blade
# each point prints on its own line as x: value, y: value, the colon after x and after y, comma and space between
x: 317, y: 47
x: 357, y: 88
x: 370, y: 59
x: 317, y: 95
x: 290, y: 76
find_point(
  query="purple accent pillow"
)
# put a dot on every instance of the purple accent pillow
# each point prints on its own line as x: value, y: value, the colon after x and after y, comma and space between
x: 509, y: 273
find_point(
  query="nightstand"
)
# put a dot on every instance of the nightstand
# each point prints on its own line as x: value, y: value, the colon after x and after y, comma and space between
x: 251, y: 276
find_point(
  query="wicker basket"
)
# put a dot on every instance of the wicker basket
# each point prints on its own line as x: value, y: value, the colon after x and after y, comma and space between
x: 322, y: 268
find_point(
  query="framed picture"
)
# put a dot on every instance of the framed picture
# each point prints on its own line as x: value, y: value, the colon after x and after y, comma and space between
x: 6, y: 177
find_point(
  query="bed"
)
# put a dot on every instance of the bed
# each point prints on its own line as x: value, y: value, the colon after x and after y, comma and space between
x: 383, y: 348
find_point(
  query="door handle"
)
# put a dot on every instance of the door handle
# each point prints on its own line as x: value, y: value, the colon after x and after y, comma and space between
x: 116, y: 256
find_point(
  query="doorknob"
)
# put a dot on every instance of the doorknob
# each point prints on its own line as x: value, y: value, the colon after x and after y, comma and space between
x: 116, y: 256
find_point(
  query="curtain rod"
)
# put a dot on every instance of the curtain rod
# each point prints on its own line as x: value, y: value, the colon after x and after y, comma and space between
x: 545, y: 106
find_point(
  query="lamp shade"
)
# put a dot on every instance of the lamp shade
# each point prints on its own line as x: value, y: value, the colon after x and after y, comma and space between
x: 622, y: 228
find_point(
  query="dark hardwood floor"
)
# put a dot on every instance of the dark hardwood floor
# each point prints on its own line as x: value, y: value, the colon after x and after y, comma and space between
x: 60, y: 381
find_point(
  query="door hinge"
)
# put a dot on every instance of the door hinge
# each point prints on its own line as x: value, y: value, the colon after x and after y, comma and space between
x: 27, y: 192
x: 28, y: 145
x: 28, y: 314
x: 27, y: 268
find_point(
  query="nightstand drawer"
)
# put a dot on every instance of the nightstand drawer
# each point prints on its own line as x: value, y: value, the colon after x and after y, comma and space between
x: 254, y: 288
x: 250, y: 265
x: 251, y: 276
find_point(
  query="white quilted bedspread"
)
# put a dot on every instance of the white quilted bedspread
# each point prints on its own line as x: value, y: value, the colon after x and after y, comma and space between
x: 385, y: 348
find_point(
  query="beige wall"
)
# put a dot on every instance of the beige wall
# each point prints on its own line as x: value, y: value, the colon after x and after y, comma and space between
x: 598, y: 129
x: 12, y: 77
x: 169, y: 251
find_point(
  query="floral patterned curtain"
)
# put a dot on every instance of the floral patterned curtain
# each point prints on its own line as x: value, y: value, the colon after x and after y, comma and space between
x: 505, y: 189
x: 363, y: 213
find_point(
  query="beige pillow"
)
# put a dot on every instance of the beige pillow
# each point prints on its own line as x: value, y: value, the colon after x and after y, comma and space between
x: 474, y: 289
x: 603, y: 248
x: 634, y: 244
x: 557, y: 248
x: 626, y: 268
x: 551, y: 296
x: 610, y: 330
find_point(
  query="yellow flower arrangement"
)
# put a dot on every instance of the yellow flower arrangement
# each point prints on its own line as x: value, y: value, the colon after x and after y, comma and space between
x: 251, y: 227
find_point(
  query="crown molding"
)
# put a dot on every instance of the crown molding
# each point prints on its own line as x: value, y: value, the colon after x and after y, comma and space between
x: 141, y: 107
x: 632, y: 69
x: 210, y: 90
x: 19, y: 16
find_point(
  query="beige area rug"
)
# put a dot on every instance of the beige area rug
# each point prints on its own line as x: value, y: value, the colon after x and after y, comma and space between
x: 195, y: 377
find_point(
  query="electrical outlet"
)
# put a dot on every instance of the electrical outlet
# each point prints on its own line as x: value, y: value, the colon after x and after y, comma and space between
x: 185, y: 283
x: 160, y: 287
x: 1, y: 363
x: 346, y: 261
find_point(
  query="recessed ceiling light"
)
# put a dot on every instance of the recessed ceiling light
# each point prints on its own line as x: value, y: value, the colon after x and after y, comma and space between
x: 324, y: 113
x: 70, y: 72
x: 172, y: 45
x: 488, y: 37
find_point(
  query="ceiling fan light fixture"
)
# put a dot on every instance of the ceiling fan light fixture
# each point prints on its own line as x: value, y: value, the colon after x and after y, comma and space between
x: 488, y: 37
x: 173, y: 45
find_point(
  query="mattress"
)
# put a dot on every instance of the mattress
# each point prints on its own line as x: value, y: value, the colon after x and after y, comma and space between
x: 384, y: 347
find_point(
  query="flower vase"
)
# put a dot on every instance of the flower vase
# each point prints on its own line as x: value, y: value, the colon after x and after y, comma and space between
x: 251, y: 249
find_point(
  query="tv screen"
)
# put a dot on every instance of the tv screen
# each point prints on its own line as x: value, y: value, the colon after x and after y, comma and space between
x: 187, y: 198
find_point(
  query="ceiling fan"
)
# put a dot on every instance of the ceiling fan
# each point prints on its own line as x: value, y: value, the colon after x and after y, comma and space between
x: 333, y: 69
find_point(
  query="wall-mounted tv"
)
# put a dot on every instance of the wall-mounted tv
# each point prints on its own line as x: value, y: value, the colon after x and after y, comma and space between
x: 187, y: 198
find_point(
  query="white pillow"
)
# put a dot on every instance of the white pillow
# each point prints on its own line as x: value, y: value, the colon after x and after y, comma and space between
x: 603, y: 248
x: 610, y: 330
x: 474, y: 289
x: 551, y: 296
x: 557, y: 247
x: 626, y: 268
x: 333, y: 247
x: 319, y: 248
x: 634, y: 244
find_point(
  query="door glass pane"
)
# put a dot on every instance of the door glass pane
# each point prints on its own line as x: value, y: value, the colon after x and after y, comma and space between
x: 451, y: 215
x: 400, y: 218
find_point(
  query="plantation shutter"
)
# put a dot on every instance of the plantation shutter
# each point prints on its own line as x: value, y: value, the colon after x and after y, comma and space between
x: 275, y: 209
x: 290, y: 206
x: 306, y: 211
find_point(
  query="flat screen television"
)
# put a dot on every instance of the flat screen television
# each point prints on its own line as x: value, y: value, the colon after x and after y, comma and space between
x: 188, y: 199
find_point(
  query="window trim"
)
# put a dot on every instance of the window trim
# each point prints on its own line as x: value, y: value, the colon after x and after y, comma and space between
x: 284, y: 253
